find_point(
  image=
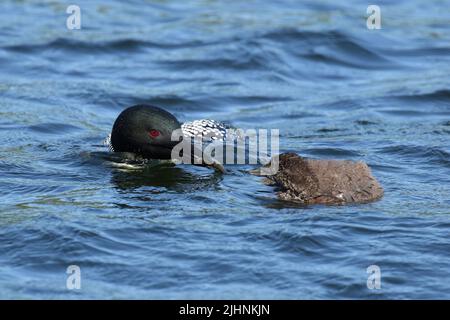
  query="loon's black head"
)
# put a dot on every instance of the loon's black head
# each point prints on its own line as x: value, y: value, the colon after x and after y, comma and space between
x: 145, y: 130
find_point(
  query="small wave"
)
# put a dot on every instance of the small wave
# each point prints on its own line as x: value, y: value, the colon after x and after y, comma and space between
x: 411, y: 113
x: 105, y: 46
x: 118, y: 101
x: 327, y: 130
x: 59, y: 239
x: 234, y: 63
x: 332, y: 152
x: 365, y: 122
x: 331, y: 47
x: 428, y: 154
x: 289, y: 242
x: 439, y: 95
x: 417, y: 52
x: 53, y: 128
x: 31, y: 189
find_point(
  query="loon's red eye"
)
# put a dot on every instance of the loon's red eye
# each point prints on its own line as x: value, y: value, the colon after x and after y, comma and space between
x: 154, y: 133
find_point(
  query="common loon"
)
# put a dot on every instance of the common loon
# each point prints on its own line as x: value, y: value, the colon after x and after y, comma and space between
x: 147, y: 131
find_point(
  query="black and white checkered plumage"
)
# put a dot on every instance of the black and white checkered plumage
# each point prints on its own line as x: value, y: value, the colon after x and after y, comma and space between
x: 208, y: 129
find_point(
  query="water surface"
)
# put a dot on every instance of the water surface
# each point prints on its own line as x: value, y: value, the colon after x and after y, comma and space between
x: 335, y: 90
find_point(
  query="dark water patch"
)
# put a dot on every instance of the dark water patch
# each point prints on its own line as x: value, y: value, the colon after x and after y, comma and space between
x: 421, y: 154
x: 78, y: 46
x: 182, y: 104
x: 355, y: 229
x: 34, y: 170
x: 54, y: 128
x: 289, y: 35
x: 11, y: 127
x: 332, y: 152
x: 60, y: 241
x: 441, y: 132
x: 162, y: 81
x: 328, y: 130
x: 315, y: 136
x: 412, y: 113
x: 250, y: 62
x: 31, y: 189
x: 281, y: 205
x: 420, y: 52
x: 386, y: 168
x: 119, y: 101
x: 344, y: 104
x: 332, y: 47
x: 436, y: 96
x: 261, y: 117
x: 252, y: 100
x: 187, y: 106
x: 292, y: 243
x: 296, y: 115
x: 367, y: 60
x: 365, y: 122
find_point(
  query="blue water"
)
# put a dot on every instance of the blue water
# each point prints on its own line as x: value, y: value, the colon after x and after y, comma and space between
x: 312, y: 69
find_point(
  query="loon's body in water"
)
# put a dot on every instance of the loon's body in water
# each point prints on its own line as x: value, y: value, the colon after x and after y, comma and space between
x: 147, y: 131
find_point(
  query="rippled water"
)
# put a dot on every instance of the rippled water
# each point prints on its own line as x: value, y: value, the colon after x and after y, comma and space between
x: 334, y: 88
